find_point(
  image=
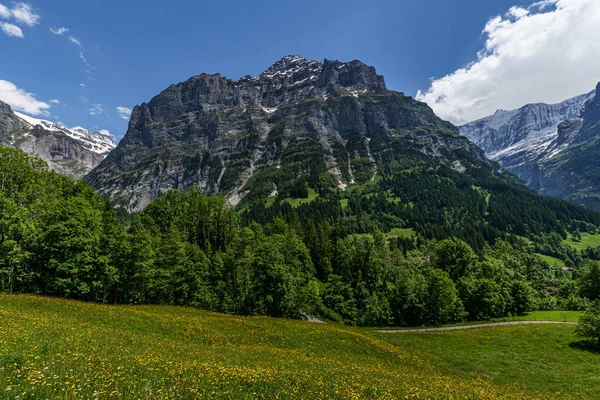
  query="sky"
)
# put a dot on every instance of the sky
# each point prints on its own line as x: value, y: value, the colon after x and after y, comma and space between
x: 88, y: 64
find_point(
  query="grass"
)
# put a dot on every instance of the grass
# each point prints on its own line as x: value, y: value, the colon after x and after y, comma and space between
x: 587, y: 240
x: 552, y: 260
x: 560, y: 316
x: 401, y: 232
x: 344, y: 203
x: 395, y: 232
x: 312, y: 195
x: 538, y: 357
x: 53, y: 348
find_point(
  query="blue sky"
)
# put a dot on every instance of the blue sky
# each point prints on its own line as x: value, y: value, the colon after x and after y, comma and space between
x: 122, y: 53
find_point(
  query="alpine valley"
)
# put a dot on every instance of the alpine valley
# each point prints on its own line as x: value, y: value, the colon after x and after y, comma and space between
x: 309, y: 191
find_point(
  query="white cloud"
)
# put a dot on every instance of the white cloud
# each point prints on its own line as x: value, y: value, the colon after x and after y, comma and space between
x: 11, y: 30
x: 124, y: 112
x: 73, y: 39
x: 546, y: 53
x: 25, y: 14
x: 517, y: 12
x: 59, y: 31
x: 21, y: 100
x: 82, y: 85
x: 4, y: 12
x: 54, y: 101
x: 96, y: 109
x: 84, y: 99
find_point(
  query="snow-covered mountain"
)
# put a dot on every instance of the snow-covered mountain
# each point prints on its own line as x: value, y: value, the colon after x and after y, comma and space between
x: 99, y: 142
x: 538, y: 140
x: 530, y: 127
x: 70, y: 151
x: 520, y: 140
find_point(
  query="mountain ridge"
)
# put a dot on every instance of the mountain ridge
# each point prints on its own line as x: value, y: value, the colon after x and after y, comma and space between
x: 69, y: 151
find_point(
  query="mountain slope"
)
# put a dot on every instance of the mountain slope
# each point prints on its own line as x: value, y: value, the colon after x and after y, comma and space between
x: 70, y: 151
x: 329, y: 124
x: 530, y: 140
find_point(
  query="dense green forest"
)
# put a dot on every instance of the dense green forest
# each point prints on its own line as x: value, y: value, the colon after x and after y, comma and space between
x: 473, y: 255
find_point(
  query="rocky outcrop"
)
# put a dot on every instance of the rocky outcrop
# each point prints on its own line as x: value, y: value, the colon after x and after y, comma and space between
x: 73, y: 152
x: 9, y: 123
x: 300, y: 119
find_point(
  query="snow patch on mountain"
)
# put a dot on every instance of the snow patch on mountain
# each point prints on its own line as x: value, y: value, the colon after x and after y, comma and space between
x: 99, y: 142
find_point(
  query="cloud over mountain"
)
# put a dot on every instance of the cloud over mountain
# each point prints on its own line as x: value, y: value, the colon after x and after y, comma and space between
x: 543, y: 53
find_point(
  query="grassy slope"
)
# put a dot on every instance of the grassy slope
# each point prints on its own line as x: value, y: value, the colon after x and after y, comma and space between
x: 312, y: 195
x: 587, y: 240
x: 540, y: 357
x: 55, y: 348
x: 401, y: 232
x: 553, y: 261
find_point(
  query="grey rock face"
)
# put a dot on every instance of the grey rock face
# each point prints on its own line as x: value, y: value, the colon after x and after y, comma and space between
x: 8, y: 123
x: 299, y: 117
x: 71, y: 152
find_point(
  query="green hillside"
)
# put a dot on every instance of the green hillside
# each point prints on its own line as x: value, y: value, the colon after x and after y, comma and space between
x: 53, y: 348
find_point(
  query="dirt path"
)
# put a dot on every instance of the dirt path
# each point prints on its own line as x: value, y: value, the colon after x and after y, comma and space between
x: 454, y: 328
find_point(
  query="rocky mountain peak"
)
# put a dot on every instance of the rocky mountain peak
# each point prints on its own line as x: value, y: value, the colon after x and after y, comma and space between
x: 289, y: 64
x: 300, y: 118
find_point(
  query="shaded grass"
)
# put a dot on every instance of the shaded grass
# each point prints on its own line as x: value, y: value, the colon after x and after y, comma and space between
x: 540, y: 357
x: 312, y: 195
x: 63, y: 349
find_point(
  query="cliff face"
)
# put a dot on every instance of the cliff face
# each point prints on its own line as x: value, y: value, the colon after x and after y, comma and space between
x: 71, y: 152
x: 330, y: 121
x: 574, y: 172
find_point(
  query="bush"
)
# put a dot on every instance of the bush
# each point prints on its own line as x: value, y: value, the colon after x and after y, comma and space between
x: 589, y: 325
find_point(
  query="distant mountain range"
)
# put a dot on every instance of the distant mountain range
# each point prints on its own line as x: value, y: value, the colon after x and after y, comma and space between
x: 552, y: 147
x: 300, y: 122
x: 70, y: 151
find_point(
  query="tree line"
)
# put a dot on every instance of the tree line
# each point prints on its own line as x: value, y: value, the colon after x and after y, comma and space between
x: 60, y: 238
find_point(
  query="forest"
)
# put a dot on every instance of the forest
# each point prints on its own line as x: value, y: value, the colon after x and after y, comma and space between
x: 473, y: 255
